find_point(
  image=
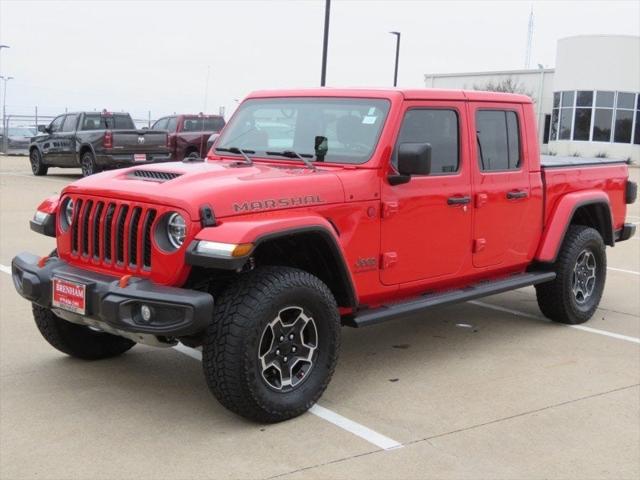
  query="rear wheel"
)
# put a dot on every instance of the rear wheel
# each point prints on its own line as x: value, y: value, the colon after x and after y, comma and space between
x: 37, y: 167
x: 77, y: 340
x: 193, y: 155
x: 581, y: 269
x: 88, y: 164
x: 273, y: 344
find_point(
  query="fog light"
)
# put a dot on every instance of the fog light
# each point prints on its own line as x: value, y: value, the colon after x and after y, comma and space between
x: 146, y: 313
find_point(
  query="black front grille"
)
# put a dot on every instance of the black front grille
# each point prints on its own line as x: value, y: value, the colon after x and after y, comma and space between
x: 154, y: 176
x: 112, y: 232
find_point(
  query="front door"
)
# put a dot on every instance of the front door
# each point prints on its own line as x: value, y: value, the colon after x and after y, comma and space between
x: 426, y: 224
x: 505, y: 215
x: 50, y: 142
x: 67, y: 139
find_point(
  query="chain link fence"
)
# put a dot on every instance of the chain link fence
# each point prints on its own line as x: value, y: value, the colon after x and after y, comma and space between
x: 21, y: 128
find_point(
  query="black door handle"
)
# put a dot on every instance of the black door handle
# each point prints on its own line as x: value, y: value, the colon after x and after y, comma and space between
x: 515, y: 194
x: 458, y: 200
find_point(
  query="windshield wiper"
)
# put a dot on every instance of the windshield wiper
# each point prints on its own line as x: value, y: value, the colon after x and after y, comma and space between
x: 238, y: 151
x: 291, y: 154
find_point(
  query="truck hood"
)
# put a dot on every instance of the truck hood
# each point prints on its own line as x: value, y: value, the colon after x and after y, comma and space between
x: 229, y: 189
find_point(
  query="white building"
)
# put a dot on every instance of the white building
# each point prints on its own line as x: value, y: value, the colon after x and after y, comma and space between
x: 588, y: 105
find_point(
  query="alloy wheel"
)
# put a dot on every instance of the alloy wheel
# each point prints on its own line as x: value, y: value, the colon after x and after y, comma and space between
x: 288, y: 348
x: 584, y: 276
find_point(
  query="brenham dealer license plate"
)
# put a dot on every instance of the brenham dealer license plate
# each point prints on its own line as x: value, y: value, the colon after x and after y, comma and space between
x: 69, y: 295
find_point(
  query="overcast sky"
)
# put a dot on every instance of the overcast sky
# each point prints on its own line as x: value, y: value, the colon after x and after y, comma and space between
x: 141, y: 56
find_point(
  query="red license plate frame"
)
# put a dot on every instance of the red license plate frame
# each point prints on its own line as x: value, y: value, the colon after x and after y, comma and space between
x: 69, y: 295
x: 140, y: 157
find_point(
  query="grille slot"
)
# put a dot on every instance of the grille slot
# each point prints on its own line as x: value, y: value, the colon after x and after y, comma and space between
x: 133, y: 236
x: 108, y: 224
x: 112, y: 233
x: 154, y: 176
x: 86, y: 212
x: 74, y: 231
x: 122, y: 217
x: 96, y: 229
x: 146, y: 237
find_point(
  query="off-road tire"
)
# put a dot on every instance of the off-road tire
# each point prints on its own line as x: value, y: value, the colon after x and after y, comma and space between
x: 77, y: 340
x: 193, y: 154
x: 230, y: 352
x: 88, y: 164
x: 37, y: 167
x: 556, y: 299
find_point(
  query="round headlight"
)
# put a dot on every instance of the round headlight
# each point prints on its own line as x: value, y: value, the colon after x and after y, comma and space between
x: 68, y: 212
x: 176, y: 230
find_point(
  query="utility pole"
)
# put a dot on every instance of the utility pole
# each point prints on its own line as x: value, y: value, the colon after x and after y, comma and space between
x: 527, y: 53
x: 5, y: 136
x: 395, y: 73
x: 325, y: 42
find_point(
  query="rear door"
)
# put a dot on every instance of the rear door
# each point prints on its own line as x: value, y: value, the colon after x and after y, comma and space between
x: 505, y: 216
x: 426, y: 223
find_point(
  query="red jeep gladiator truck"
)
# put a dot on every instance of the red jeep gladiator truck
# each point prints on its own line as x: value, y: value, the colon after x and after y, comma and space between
x: 188, y: 134
x: 317, y: 209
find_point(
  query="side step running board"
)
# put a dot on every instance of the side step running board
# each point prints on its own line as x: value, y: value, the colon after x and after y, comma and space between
x: 415, y: 305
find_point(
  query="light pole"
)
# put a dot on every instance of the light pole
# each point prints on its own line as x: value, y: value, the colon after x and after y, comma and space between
x: 325, y: 42
x: 1, y: 47
x: 395, y: 73
x: 5, y: 132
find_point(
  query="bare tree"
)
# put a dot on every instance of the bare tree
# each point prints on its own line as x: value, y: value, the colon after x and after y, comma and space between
x: 508, y: 85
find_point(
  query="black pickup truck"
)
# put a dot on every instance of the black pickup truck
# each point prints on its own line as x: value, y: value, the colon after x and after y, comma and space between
x: 95, y: 141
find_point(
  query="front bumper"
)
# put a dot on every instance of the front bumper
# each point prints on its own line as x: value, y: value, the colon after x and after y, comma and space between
x: 626, y: 232
x: 177, y: 312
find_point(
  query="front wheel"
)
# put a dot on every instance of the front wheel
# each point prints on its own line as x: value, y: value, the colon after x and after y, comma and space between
x: 581, y: 269
x: 37, y: 167
x: 273, y: 344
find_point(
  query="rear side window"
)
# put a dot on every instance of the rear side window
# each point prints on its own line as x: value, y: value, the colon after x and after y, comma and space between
x: 437, y: 127
x: 498, y: 140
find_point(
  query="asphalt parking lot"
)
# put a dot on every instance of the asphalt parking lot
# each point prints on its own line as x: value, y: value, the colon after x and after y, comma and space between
x: 480, y: 390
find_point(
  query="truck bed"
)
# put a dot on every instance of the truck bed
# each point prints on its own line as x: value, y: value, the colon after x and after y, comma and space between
x: 564, y: 175
x: 553, y: 161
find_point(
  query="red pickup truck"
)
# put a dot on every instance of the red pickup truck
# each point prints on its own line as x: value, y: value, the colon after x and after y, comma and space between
x: 188, y: 134
x: 317, y: 209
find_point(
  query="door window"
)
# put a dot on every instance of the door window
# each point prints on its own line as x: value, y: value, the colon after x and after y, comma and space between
x: 437, y: 127
x: 70, y: 123
x: 172, y: 124
x: 498, y: 140
x: 56, y: 125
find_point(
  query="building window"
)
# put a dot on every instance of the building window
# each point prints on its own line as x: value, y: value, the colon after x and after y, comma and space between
x: 636, y: 134
x: 600, y: 116
x: 624, y: 117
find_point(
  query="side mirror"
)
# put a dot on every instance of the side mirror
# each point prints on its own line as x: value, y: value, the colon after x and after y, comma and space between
x: 42, y: 128
x: 413, y: 159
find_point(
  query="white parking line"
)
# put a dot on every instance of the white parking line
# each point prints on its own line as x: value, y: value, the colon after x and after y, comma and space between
x: 6, y: 270
x: 577, y: 327
x: 357, y: 429
x: 633, y: 272
x: 330, y: 416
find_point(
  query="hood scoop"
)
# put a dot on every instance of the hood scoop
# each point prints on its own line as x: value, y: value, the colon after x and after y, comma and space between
x: 153, y: 175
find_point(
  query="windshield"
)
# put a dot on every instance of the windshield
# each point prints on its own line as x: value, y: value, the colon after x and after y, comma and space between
x: 340, y: 130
